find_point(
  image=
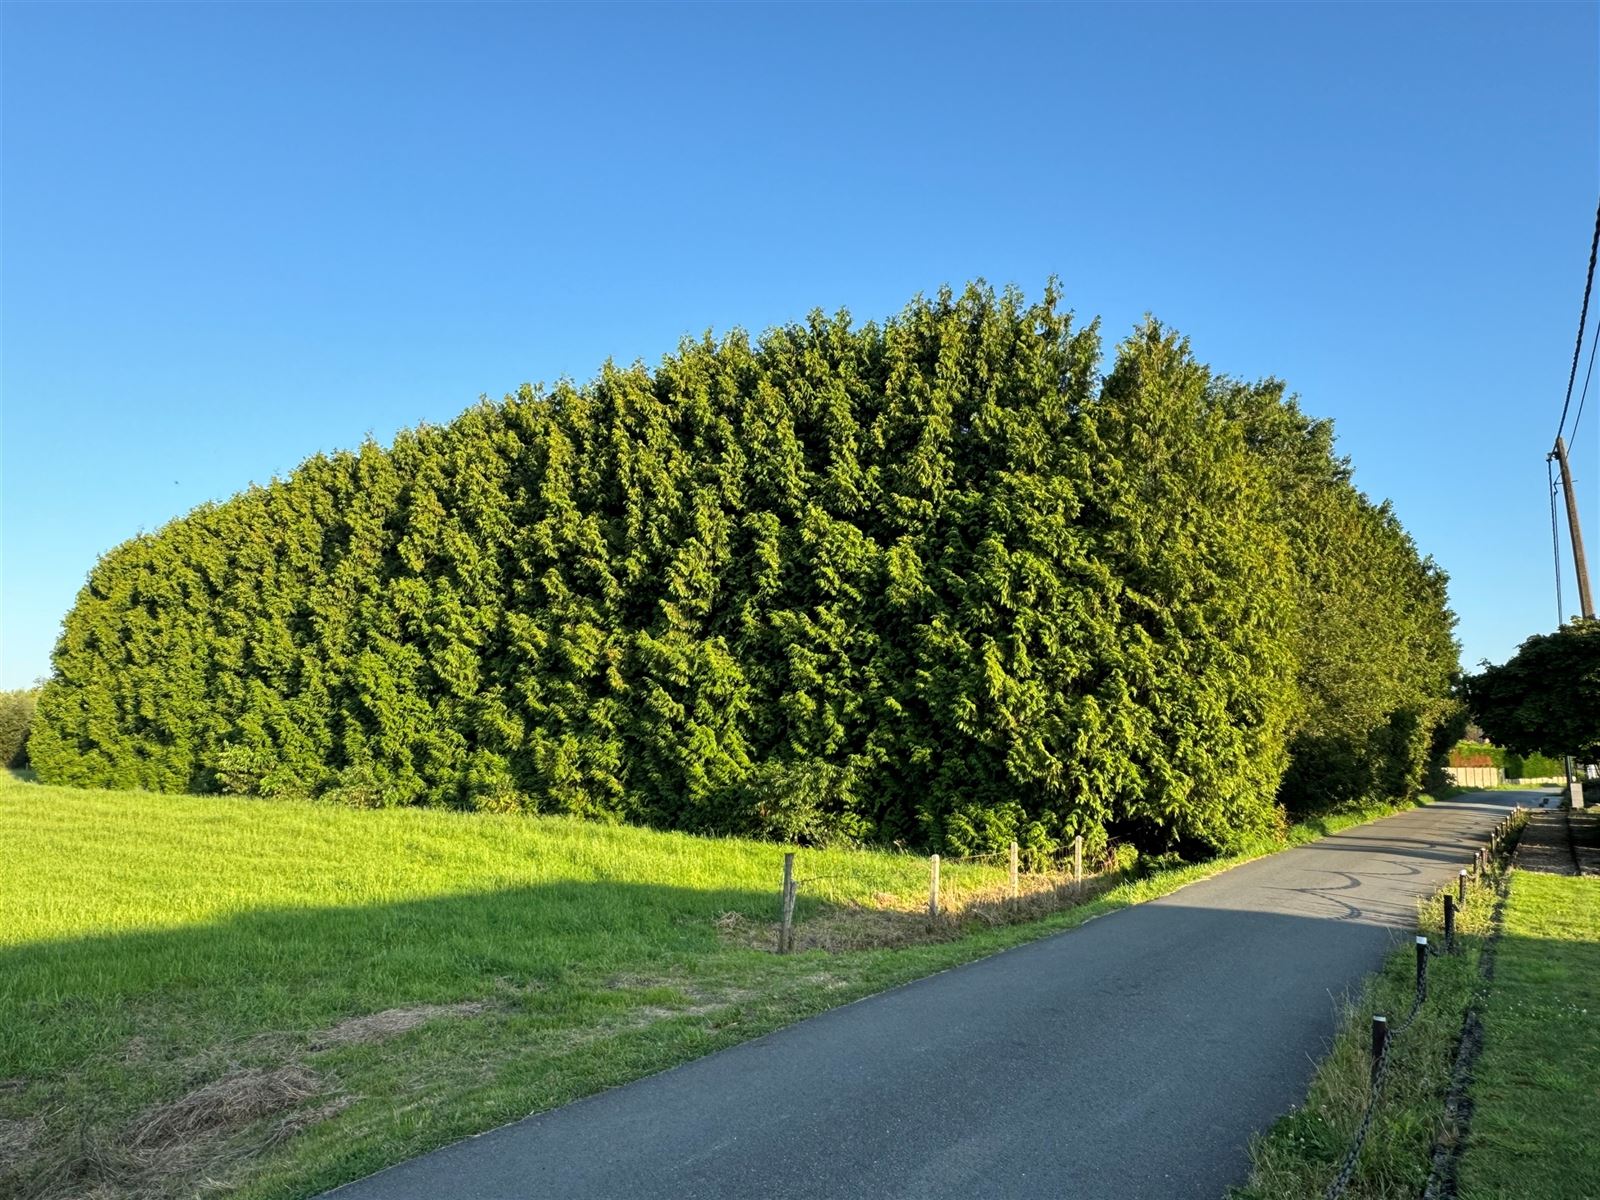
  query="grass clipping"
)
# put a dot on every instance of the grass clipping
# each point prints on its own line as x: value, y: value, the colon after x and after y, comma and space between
x: 226, y: 1105
x: 181, y: 1147
x: 190, y: 1145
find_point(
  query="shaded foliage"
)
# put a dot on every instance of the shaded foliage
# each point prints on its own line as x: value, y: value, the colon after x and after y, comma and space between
x: 932, y: 582
x: 1547, y: 696
x: 16, y: 720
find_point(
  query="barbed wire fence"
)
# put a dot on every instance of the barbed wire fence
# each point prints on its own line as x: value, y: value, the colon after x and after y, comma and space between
x: 789, y: 891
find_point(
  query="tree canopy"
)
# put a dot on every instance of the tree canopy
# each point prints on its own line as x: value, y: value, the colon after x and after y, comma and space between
x: 934, y: 581
x: 1546, y: 697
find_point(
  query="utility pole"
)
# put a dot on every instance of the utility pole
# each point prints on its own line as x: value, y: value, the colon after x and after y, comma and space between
x: 1585, y: 597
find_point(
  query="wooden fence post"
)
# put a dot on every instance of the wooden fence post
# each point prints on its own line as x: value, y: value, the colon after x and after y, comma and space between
x: 1077, y: 861
x: 933, y: 887
x: 786, y: 930
x: 1013, y: 872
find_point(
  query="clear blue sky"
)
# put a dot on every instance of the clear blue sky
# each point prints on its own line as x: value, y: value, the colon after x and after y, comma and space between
x: 234, y: 236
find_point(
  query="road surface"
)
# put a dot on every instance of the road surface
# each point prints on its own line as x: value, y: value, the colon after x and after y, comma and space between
x: 1130, y: 1058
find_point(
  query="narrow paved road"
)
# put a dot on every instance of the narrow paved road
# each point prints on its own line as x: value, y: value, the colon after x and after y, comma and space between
x: 1132, y: 1057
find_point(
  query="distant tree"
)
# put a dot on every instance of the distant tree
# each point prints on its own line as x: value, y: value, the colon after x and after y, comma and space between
x: 16, y: 718
x: 1547, y: 697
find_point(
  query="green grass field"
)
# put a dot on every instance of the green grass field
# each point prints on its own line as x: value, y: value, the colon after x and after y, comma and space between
x: 1536, y: 1087
x: 155, y: 946
x: 267, y: 998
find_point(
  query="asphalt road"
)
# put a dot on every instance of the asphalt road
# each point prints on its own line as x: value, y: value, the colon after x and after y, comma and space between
x: 1132, y: 1057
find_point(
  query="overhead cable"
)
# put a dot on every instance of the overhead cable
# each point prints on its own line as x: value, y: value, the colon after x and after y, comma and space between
x: 1583, y: 322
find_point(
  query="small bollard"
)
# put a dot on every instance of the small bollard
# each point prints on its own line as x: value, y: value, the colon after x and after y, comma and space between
x: 1422, y: 966
x: 1380, y: 1042
x: 1461, y: 886
x: 933, y: 886
x: 1449, y: 922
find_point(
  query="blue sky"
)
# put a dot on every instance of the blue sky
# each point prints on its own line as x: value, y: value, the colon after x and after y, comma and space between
x: 234, y: 236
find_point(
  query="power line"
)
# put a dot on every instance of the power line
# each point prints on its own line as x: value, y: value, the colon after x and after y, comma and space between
x: 1583, y: 322
x: 1583, y: 395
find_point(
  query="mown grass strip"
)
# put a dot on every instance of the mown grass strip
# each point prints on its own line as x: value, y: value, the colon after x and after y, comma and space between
x: 1537, y: 1081
x: 262, y: 998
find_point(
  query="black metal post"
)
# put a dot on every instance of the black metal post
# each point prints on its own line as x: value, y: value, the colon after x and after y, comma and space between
x: 1422, y: 966
x: 1449, y: 922
x: 1380, y: 1042
x: 1461, y: 886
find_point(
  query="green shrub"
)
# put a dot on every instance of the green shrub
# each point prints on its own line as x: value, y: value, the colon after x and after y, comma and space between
x: 239, y: 770
x: 1532, y: 766
x: 1121, y: 859
x: 16, y: 719
x: 358, y: 787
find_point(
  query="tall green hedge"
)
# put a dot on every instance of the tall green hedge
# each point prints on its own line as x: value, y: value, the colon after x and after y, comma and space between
x: 933, y: 582
x: 1372, y: 631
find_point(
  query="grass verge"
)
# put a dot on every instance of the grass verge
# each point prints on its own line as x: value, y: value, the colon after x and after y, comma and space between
x: 1537, y: 1082
x: 265, y: 999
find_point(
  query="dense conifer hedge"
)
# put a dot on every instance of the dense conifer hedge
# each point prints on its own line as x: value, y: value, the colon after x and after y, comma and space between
x: 934, y: 581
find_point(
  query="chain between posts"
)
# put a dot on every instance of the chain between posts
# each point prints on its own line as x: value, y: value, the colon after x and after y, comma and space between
x: 1383, y: 1038
x: 1383, y: 1045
